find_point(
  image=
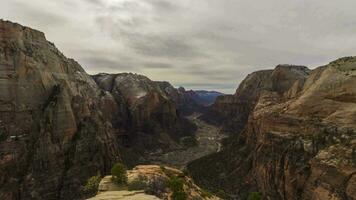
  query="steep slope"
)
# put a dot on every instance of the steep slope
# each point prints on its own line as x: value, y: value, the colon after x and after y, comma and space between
x: 299, y: 140
x: 189, y: 101
x: 54, y: 130
x: 186, y: 101
x: 232, y: 111
x: 152, y: 119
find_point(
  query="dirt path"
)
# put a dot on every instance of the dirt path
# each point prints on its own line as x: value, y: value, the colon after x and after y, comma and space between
x: 208, y: 137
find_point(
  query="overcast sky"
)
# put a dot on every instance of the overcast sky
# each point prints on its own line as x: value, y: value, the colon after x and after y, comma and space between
x: 198, y: 44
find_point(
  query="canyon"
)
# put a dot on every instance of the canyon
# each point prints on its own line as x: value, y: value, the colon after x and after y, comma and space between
x: 287, y: 133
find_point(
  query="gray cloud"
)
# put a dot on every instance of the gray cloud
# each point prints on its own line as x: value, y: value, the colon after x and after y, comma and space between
x: 197, y: 44
x: 41, y: 16
x: 158, y: 65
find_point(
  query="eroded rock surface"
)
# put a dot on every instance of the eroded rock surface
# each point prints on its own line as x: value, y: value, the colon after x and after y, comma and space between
x: 157, y: 184
x: 152, y: 119
x: 54, y: 130
x: 299, y: 139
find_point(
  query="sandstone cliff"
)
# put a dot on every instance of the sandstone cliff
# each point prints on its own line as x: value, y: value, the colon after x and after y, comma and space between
x: 54, y: 130
x: 232, y: 111
x: 298, y: 138
x: 187, y: 102
x: 149, y: 114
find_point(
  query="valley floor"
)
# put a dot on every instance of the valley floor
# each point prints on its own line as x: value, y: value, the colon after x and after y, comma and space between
x: 209, y: 139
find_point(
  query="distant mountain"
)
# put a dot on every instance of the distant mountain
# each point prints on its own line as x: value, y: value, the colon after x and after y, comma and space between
x: 189, y: 101
x: 206, y: 98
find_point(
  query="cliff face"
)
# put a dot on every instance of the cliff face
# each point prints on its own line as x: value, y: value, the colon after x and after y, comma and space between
x: 54, y: 128
x: 189, y: 101
x: 299, y: 140
x: 149, y: 114
x: 232, y: 111
x: 150, y: 108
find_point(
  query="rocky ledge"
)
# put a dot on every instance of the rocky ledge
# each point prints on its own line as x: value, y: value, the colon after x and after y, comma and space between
x: 151, y: 182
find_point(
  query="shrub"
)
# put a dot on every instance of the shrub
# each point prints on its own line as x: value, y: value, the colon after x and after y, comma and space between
x: 92, y: 184
x: 118, y: 172
x: 139, y: 183
x: 176, y: 185
x: 254, y: 196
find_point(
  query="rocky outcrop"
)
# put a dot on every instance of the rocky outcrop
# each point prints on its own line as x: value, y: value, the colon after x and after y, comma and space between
x: 189, y: 101
x: 186, y: 101
x: 147, y: 104
x: 232, y: 111
x: 148, y: 113
x: 108, y: 190
x: 299, y: 139
x: 154, y: 180
x: 55, y: 131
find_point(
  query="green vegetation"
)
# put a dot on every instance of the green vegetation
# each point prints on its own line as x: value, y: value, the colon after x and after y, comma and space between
x: 92, y: 184
x: 176, y: 185
x: 139, y: 183
x: 254, y: 196
x: 118, y: 172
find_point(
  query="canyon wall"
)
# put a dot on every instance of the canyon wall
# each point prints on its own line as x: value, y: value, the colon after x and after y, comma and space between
x: 293, y: 136
x: 54, y: 128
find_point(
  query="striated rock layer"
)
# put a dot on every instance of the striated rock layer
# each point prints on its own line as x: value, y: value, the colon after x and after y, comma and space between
x: 55, y: 130
x: 187, y: 102
x: 232, y: 111
x: 298, y: 138
x: 149, y: 114
x: 148, y: 105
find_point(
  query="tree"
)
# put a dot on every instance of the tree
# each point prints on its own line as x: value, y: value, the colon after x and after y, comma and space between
x: 118, y: 172
x: 176, y: 185
x: 92, y: 184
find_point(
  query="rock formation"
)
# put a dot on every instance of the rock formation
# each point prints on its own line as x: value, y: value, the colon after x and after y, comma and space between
x: 293, y: 130
x: 185, y: 101
x: 149, y: 113
x: 151, y: 179
x: 54, y: 130
x: 294, y: 135
x: 232, y: 111
x: 189, y: 101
